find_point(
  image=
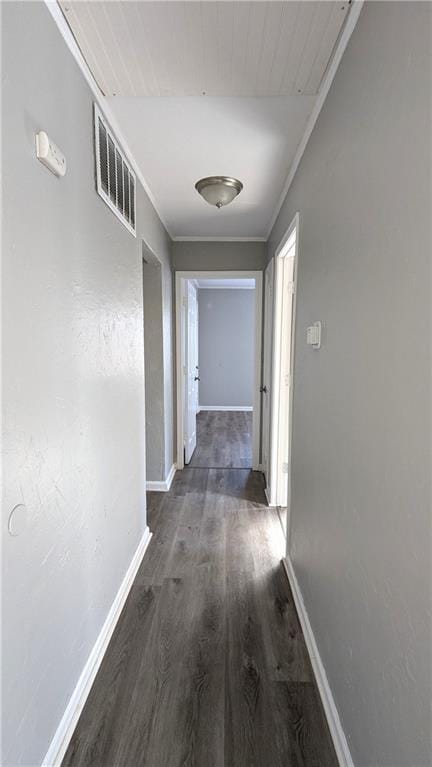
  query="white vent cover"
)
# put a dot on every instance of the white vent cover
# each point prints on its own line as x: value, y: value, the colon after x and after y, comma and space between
x: 115, y: 181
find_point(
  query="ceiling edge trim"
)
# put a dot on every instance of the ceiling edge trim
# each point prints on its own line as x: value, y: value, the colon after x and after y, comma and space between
x: 66, y: 32
x: 225, y: 287
x: 348, y: 28
x: 219, y: 239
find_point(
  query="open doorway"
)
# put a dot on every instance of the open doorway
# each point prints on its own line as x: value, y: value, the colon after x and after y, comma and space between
x: 279, y: 332
x: 218, y: 369
x: 154, y: 371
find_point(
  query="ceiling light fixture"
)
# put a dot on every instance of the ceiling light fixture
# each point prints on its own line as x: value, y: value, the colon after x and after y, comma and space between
x: 219, y: 190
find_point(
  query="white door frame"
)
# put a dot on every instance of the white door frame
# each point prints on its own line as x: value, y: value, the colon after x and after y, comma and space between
x: 268, y: 329
x: 180, y: 277
x: 191, y: 397
x: 280, y: 482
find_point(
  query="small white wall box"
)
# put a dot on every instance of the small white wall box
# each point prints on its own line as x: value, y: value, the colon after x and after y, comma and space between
x: 49, y: 154
x: 313, y: 336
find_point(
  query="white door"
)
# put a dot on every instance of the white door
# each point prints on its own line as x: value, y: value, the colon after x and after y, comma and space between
x: 192, y: 370
x: 266, y: 382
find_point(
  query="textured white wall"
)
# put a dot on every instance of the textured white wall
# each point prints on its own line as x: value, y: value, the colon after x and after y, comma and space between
x: 361, y: 513
x: 226, y: 330
x: 73, y: 385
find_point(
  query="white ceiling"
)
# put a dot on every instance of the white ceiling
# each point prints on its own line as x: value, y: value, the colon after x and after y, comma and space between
x: 238, y: 283
x: 259, y: 64
x: 178, y: 140
x: 193, y: 48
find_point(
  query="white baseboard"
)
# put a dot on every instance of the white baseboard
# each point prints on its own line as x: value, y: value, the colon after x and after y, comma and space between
x: 239, y: 408
x: 79, y: 696
x: 331, y: 712
x: 162, y: 486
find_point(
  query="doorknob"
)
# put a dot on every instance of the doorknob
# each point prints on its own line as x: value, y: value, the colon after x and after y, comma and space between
x: 263, y: 389
x: 197, y: 378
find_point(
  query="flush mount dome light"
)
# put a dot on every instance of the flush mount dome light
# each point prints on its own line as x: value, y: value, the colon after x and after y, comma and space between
x: 219, y: 190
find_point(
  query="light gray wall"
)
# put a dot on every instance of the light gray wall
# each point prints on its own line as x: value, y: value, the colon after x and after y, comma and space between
x: 361, y: 507
x: 219, y: 255
x: 226, y: 346
x: 73, y: 385
x: 154, y: 371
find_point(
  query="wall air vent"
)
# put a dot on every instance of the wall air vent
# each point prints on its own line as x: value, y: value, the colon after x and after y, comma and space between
x: 115, y: 180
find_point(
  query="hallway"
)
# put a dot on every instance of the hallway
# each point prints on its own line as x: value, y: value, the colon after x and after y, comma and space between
x: 208, y: 665
x: 224, y: 440
x: 216, y: 389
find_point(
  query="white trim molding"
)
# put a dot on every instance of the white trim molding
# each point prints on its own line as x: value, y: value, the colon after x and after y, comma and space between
x: 163, y: 485
x: 225, y: 287
x: 279, y: 481
x: 180, y: 278
x: 234, y: 408
x: 65, y: 730
x: 219, y: 239
x: 329, y: 705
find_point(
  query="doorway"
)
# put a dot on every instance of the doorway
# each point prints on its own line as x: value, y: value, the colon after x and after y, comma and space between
x: 191, y: 378
x: 279, y: 334
x: 153, y: 366
x: 267, y: 370
x: 218, y: 344
x: 154, y: 370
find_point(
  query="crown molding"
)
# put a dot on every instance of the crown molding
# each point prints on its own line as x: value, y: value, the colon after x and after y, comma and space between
x: 67, y: 34
x: 347, y: 30
x: 224, y: 287
x: 219, y: 239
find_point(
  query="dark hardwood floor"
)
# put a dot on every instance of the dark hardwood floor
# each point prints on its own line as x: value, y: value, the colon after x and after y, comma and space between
x: 224, y: 440
x: 207, y: 666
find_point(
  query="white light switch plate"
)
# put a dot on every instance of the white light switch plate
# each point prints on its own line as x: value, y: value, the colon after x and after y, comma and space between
x: 313, y: 336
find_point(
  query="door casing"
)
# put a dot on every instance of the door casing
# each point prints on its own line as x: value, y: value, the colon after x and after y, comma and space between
x: 190, y: 377
x: 180, y: 279
x: 279, y: 480
x: 267, y: 369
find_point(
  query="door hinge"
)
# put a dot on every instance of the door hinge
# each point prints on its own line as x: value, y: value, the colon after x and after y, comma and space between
x: 184, y: 301
x: 291, y: 288
x: 285, y: 468
x: 288, y: 379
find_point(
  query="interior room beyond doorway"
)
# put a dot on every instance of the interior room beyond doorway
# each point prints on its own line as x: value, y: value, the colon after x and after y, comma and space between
x: 218, y: 337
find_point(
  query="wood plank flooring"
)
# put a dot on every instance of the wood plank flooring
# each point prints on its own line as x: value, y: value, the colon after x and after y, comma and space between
x: 224, y: 440
x: 207, y: 666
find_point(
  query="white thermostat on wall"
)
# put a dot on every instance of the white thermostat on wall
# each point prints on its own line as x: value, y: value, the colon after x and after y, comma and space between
x: 313, y: 336
x: 49, y: 154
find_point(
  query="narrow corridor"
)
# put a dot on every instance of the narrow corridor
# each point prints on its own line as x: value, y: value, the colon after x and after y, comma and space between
x: 208, y: 665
